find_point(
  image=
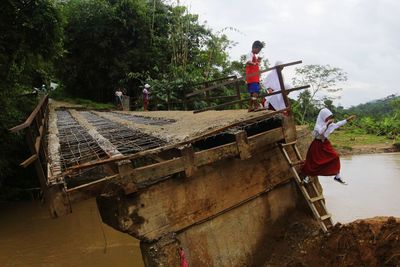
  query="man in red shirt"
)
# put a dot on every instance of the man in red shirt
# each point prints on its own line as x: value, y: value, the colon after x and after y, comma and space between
x: 253, y: 74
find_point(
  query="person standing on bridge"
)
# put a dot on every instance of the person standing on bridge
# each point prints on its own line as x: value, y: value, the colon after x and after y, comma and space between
x: 272, y: 85
x: 253, y: 74
x: 118, y: 98
x: 146, y: 92
x: 321, y: 158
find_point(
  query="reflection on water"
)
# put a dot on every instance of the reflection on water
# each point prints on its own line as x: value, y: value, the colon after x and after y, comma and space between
x: 28, y: 237
x: 372, y: 190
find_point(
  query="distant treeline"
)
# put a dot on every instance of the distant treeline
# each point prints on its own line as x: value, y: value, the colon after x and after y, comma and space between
x: 378, y: 117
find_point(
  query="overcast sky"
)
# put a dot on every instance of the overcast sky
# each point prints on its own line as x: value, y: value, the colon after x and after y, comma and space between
x: 361, y: 37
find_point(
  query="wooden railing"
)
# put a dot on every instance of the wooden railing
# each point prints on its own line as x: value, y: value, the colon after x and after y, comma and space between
x: 240, y: 101
x: 35, y: 127
x: 210, y: 86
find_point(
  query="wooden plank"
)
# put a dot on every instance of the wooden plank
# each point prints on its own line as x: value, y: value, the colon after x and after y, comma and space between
x: 283, y: 89
x: 89, y: 190
x: 188, y: 157
x: 211, y: 88
x: 243, y: 145
x: 29, y: 120
x: 212, y: 81
x: 29, y: 161
x: 158, y: 170
x: 289, y: 128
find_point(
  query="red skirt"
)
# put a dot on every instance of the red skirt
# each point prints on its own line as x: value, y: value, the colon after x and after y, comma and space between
x: 321, y: 159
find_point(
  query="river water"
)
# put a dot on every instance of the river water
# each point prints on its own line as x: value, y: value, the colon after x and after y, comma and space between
x: 373, y: 187
x: 28, y: 237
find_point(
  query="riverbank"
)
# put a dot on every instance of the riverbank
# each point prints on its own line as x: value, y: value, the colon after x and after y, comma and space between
x: 354, y: 142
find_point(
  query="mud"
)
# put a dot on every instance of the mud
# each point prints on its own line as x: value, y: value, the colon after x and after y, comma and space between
x: 368, y: 149
x: 370, y: 242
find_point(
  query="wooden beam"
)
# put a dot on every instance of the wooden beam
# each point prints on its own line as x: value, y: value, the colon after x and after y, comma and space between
x: 31, y: 117
x: 188, y: 158
x: 211, y: 87
x: 243, y: 145
x: 29, y: 161
x: 89, y: 190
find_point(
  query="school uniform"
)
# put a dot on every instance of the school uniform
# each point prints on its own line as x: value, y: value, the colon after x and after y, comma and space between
x: 274, y: 102
x: 252, y: 74
x: 322, y: 159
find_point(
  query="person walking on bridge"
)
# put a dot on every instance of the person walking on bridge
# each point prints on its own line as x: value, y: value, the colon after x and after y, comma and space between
x: 321, y: 158
x: 146, y: 92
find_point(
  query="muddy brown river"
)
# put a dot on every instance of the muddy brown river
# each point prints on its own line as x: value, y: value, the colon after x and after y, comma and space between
x: 28, y: 237
x: 373, y: 187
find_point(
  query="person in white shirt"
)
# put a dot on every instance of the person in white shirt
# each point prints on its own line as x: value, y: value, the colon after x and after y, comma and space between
x: 146, y: 92
x: 322, y: 159
x: 272, y: 85
x: 118, y: 98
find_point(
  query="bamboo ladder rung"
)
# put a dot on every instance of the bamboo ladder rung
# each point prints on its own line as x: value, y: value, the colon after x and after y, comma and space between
x: 288, y: 144
x: 296, y: 163
x: 315, y: 199
x: 325, y: 217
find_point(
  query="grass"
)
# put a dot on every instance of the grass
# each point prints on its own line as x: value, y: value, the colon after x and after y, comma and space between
x: 89, y: 103
x: 347, y: 138
x: 60, y: 95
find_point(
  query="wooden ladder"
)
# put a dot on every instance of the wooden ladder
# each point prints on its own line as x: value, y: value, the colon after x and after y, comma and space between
x: 314, y: 198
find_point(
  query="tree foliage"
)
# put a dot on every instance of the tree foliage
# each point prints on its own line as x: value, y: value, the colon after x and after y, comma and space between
x: 30, y: 39
x: 323, y: 80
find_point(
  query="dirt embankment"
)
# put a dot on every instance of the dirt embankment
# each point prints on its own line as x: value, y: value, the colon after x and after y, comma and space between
x: 371, y: 242
x: 368, y: 149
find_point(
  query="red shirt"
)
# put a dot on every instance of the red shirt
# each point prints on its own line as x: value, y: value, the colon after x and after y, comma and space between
x: 254, y: 70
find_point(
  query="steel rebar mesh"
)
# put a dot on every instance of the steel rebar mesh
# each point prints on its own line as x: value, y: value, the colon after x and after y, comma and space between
x: 125, y: 140
x: 143, y: 119
x: 76, y: 145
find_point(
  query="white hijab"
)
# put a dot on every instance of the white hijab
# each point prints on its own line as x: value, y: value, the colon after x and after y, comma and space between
x: 321, y: 125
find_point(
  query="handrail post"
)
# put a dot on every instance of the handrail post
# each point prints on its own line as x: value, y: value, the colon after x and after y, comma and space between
x: 283, y: 89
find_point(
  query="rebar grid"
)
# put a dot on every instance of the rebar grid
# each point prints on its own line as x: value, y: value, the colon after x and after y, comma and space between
x: 125, y: 140
x: 144, y: 120
x: 76, y: 145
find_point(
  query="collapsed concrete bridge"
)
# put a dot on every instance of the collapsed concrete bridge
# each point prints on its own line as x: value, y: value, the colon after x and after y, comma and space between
x: 213, y: 185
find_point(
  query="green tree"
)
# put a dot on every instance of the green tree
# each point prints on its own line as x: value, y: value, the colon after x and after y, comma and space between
x: 323, y: 80
x: 30, y: 41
